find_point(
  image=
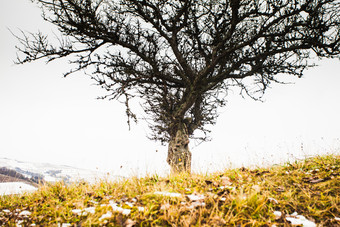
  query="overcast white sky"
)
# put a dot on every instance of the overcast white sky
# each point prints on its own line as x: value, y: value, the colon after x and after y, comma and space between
x: 47, y: 118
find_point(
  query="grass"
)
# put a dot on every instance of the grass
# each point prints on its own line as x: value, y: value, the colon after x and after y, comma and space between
x: 236, y: 197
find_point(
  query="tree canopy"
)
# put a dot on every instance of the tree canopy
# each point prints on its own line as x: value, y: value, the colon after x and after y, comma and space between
x: 182, y: 56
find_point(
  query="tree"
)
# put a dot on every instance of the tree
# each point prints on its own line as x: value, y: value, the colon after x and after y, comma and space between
x: 182, y: 56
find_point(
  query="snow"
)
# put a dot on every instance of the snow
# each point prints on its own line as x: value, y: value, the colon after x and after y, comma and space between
x: 53, y: 173
x: 107, y: 215
x: 50, y: 179
x: 296, y: 219
x: 300, y: 220
x: 9, y: 188
x: 169, y: 194
x: 195, y: 197
x: 277, y: 214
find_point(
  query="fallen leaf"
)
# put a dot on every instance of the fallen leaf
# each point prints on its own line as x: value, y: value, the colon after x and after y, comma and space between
x: 225, y: 190
x: 261, y: 173
x: 314, y: 171
x: 280, y: 189
x: 218, y: 221
x: 316, y: 181
x: 225, y: 181
x: 129, y: 223
x: 243, y: 169
x: 165, y: 206
x: 196, y: 204
x: 256, y: 188
x: 272, y: 200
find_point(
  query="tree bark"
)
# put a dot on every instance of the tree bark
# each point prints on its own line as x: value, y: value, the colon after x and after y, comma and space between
x: 179, y: 156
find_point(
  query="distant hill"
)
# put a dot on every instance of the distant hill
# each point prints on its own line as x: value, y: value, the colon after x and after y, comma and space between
x: 11, y: 169
x: 9, y: 175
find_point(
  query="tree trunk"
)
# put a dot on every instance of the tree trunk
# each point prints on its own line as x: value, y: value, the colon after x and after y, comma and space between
x: 179, y: 156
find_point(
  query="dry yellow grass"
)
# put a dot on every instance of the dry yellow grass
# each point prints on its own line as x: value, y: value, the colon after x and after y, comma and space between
x: 237, y: 197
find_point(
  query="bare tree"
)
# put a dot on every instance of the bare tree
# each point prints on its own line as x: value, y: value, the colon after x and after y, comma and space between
x: 181, y: 56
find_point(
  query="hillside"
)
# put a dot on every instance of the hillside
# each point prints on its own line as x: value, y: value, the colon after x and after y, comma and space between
x: 6, y: 178
x: 39, y: 172
x: 304, y: 193
x: 9, y: 175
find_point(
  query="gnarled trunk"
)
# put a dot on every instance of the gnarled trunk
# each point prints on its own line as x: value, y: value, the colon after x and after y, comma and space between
x: 179, y: 156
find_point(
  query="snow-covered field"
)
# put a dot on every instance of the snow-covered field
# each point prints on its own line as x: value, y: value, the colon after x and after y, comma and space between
x: 8, y: 188
x: 51, y: 173
x: 47, y: 172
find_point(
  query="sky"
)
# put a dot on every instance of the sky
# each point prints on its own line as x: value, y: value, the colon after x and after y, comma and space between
x: 45, y: 117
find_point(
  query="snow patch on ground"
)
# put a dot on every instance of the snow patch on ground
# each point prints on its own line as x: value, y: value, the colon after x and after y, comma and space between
x: 9, y: 188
